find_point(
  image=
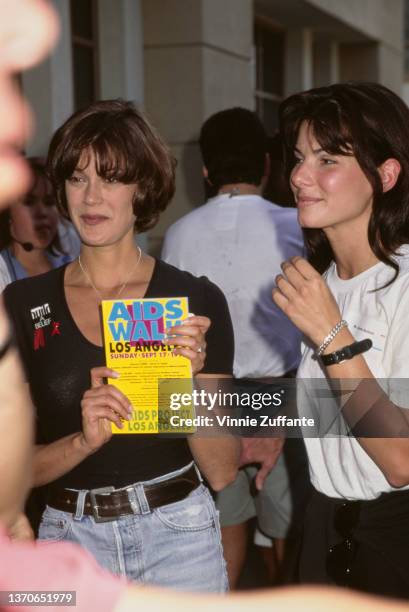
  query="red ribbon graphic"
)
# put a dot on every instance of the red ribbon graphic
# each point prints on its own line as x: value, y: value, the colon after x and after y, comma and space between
x: 39, y: 340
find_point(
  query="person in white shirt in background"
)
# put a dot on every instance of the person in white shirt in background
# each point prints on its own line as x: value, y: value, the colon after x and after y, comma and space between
x: 5, y: 277
x: 238, y: 240
x: 29, y: 239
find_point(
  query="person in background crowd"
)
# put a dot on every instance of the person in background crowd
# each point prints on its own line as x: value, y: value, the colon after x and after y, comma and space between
x: 29, y: 240
x: 229, y: 239
x: 348, y: 157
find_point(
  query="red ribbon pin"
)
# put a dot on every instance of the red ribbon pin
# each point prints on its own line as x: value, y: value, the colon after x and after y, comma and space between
x: 56, y: 328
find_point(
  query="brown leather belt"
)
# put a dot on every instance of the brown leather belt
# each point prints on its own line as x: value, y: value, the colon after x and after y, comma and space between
x: 107, y: 503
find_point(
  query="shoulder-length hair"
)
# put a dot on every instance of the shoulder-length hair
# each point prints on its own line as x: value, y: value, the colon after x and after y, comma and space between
x: 126, y: 147
x: 38, y: 170
x: 370, y: 122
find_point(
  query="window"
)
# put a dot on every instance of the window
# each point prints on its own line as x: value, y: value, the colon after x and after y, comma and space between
x: 84, y: 51
x: 269, y: 67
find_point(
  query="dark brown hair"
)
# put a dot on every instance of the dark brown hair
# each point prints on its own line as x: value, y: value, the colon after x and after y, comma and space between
x: 233, y: 144
x: 277, y: 188
x: 126, y: 148
x: 370, y: 122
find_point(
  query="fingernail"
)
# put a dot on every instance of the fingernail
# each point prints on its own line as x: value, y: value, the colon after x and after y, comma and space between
x: 115, y: 374
x: 130, y: 408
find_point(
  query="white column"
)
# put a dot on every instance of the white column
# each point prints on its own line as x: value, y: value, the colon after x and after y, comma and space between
x: 197, y: 62
x: 121, y: 50
x: 298, y: 61
x: 49, y: 86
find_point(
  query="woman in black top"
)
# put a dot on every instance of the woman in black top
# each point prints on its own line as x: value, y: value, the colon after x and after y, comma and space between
x: 154, y: 520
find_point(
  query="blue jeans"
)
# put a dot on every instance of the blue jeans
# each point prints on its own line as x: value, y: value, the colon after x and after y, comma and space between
x: 177, y: 545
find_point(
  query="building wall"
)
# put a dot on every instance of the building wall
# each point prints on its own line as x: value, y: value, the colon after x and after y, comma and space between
x: 49, y: 86
x: 380, y: 20
x: 379, y: 56
x: 198, y: 60
x: 183, y: 60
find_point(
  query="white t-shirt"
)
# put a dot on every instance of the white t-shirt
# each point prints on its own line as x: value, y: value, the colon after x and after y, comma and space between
x: 239, y: 243
x: 5, y: 277
x: 339, y: 466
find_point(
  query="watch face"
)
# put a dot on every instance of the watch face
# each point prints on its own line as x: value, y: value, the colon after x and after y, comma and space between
x: 344, y: 354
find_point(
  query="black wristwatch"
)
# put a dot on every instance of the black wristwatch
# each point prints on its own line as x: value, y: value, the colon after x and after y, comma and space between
x: 356, y: 348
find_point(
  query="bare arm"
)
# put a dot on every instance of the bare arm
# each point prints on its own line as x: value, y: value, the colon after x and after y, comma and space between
x: 305, y: 298
x: 216, y: 452
x: 21, y: 529
x: 369, y: 410
x: 214, y: 449
x: 54, y: 460
x: 16, y: 429
x: 217, y: 458
x: 295, y: 599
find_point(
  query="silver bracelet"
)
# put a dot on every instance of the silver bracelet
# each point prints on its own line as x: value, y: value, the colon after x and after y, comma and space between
x: 328, y: 339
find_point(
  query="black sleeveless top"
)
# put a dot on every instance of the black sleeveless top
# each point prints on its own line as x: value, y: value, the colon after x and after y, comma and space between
x: 58, y: 360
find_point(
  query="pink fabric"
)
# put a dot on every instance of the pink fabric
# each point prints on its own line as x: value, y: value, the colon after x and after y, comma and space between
x: 35, y: 566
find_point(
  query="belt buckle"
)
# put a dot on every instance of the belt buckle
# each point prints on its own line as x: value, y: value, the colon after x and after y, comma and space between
x: 94, y: 505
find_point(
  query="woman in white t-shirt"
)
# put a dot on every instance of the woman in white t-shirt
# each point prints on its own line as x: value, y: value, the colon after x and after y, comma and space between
x: 348, y: 157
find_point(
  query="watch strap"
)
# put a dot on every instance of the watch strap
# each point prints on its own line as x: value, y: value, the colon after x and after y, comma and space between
x: 347, y: 352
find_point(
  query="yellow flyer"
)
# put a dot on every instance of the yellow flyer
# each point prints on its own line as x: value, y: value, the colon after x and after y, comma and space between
x: 134, y: 331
